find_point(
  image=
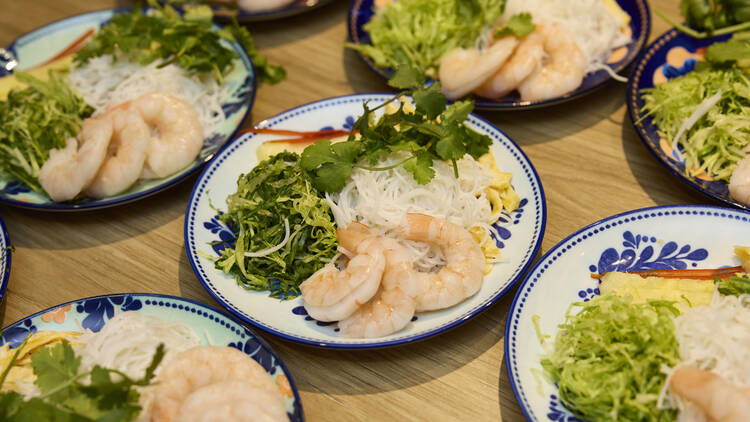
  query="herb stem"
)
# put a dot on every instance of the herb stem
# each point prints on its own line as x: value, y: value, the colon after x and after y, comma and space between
x: 392, y: 166
x: 13, y: 360
x: 680, y: 27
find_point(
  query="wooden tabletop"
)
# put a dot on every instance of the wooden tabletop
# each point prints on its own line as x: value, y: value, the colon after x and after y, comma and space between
x: 588, y: 156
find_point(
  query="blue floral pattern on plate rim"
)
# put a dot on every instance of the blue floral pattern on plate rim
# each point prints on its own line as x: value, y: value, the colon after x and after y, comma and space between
x: 5, y: 258
x: 191, y: 225
x: 17, y: 195
x: 653, y: 58
x: 98, y: 308
x: 360, y: 12
x: 680, y: 255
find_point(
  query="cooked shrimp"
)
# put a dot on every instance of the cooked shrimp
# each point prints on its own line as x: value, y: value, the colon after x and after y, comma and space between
x: 525, y: 60
x: 179, y: 133
x: 198, y: 367
x: 462, y: 70
x: 393, y: 306
x: 719, y: 399
x: 462, y: 275
x: 126, y: 154
x: 255, y: 6
x: 233, y: 400
x: 739, y: 183
x: 563, y: 69
x: 332, y: 295
x: 68, y: 171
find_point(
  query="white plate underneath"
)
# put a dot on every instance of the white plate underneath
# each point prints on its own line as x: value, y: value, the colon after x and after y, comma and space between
x: 520, y: 232
x: 680, y: 236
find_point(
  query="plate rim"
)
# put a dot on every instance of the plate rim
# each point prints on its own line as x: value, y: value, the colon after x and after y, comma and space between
x: 271, y: 15
x: 632, y: 95
x: 65, y: 207
x: 534, y: 250
x: 512, y: 313
x: 7, y: 257
x: 263, y: 342
x: 638, y: 50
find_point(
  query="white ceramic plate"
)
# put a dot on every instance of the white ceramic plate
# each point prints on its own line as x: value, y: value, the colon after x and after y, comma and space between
x: 684, y: 236
x: 212, y: 326
x: 521, y: 232
x: 5, y: 254
x: 43, y: 43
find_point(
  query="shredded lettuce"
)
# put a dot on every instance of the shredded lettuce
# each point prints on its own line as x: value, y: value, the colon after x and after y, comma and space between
x: 417, y: 33
x: 608, y: 356
x: 276, y: 197
x: 715, y: 143
x: 34, y: 120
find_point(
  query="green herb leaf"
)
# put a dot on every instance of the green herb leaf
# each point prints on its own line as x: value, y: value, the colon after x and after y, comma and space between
x: 734, y: 286
x: 406, y: 77
x: 519, y: 25
x: 421, y: 167
x: 54, y: 366
x: 430, y: 101
x: 731, y: 52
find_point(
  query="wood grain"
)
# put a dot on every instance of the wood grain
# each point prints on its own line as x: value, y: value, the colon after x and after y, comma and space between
x: 589, y: 158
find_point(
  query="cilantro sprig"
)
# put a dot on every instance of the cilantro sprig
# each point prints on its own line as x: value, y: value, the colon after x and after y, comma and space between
x: 430, y: 132
x: 65, y: 398
x: 189, y: 40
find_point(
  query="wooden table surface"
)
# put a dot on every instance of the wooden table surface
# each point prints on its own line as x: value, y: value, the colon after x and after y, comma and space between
x: 588, y: 156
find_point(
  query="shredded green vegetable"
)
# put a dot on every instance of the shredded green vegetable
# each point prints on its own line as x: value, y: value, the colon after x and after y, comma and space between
x: 416, y: 33
x: 739, y: 285
x: 714, y: 143
x: 274, y: 191
x: 34, y: 120
x: 607, y: 359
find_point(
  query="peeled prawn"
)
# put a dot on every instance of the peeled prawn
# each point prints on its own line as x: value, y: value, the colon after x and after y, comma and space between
x: 332, y: 295
x: 719, y: 399
x: 233, y: 400
x: 178, y: 131
x: 201, y: 366
x: 126, y: 154
x: 392, y: 308
x: 525, y: 60
x: 463, y: 273
x: 739, y: 183
x: 68, y: 171
x: 462, y: 70
x: 563, y: 69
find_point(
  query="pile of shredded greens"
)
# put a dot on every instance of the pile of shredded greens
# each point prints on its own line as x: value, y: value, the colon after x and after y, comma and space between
x: 34, y: 120
x: 417, y: 33
x: 607, y: 359
x: 715, y: 142
x: 188, y: 40
x: 276, y: 204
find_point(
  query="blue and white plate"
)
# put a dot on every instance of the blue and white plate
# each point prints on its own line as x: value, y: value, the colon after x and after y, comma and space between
x: 295, y: 8
x: 361, y: 12
x: 5, y: 255
x: 212, y: 326
x: 520, y: 232
x: 39, y: 45
x: 671, y: 55
x: 667, y: 237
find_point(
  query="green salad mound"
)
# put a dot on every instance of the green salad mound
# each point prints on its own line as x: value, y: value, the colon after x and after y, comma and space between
x: 417, y: 33
x: 714, y: 143
x: 608, y: 356
x: 276, y: 193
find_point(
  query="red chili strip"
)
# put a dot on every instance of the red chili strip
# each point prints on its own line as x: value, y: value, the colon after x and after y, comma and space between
x: 699, y: 274
x: 72, y: 48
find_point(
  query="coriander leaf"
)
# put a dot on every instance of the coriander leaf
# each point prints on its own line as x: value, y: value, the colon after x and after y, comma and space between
x: 519, y: 25
x: 457, y: 112
x: 10, y: 403
x: 450, y: 146
x: 316, y: 154
x: 729, y: 52
x: 406, y: 77
x: 421, y: 167
x: 198, y: 13
x: 348, y: 151
x: 430, y: 100
x: 54, y: 366
x: 155, y: 361
x: 331, y: 177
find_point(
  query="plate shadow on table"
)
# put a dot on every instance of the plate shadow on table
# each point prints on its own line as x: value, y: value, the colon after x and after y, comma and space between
x: 73, y: 230
x: 656, y: 180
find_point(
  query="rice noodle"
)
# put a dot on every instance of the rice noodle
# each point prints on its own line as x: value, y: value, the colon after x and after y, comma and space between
x: 103, y: 82
x: 596, y: 31
x: 127, y: 342
x: 381, y: 200
x: 715, y: 337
